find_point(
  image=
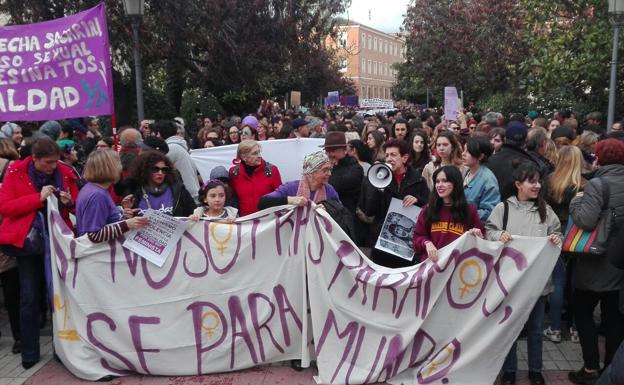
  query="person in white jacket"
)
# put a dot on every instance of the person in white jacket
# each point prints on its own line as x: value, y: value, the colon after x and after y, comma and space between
x: 527, y: 215
x: 179, y: 155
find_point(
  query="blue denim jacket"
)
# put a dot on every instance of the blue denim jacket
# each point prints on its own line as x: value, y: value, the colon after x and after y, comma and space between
x: 482, y: 191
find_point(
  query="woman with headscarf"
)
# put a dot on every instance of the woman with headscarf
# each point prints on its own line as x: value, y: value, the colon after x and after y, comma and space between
x: 313, y: 186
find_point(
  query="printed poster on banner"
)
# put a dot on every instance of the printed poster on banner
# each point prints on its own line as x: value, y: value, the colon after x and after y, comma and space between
x: 56, y: 69
x: 397, y: 231
x: 156, y: 241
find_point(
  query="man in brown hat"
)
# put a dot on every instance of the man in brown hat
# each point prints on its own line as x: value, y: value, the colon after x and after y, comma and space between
x: 347, y: 173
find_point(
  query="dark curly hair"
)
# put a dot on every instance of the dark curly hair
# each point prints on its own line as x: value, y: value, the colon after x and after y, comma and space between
x: 141, y: 167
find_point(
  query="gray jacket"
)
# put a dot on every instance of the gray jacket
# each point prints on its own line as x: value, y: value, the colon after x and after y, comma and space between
x: 595, y: 273
x: 524, y: 220
x: 179, y: 156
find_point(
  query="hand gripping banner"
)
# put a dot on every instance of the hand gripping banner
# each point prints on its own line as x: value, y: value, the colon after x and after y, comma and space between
x: 233, y: 296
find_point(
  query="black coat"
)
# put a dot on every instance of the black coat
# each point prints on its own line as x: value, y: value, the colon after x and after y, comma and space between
x: 346, y: 179
x: 375, y: 203
x: 501, y: 165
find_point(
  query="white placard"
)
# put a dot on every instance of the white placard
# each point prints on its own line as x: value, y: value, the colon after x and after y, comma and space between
x: 376, y: 103
x: 451, y: 103
x: 286, y: 154
x: 156, y: 241
x: 397, y: 231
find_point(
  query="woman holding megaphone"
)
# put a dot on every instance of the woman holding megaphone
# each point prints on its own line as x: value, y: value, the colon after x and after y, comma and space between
x: 402, y: 182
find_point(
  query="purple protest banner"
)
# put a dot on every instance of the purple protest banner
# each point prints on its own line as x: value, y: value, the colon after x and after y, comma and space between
x: 56, y: 69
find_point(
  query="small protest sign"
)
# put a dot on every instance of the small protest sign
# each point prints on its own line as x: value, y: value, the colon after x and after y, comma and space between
x: 158, y: 239
x: 398, y: 230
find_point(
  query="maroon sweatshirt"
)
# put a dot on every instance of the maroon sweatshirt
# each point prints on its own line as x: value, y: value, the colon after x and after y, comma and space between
x: 444, y: 231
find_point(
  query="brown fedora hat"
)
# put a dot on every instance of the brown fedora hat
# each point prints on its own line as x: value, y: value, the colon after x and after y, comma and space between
x: 335, y: 139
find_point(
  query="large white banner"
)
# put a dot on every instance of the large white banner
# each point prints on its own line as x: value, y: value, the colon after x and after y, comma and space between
x: 451, y: 322
x: 233, y: 296
x: 286, y: 154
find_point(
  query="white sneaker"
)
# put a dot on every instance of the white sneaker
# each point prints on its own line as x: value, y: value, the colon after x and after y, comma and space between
x: 574, y: 337
x: 553, y: 335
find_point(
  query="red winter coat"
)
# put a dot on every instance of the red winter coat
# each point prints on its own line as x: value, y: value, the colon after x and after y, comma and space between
x: 265, y: 179
x: 19, y: 201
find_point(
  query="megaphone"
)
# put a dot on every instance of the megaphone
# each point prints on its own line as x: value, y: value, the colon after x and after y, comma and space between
x: 380, y: 175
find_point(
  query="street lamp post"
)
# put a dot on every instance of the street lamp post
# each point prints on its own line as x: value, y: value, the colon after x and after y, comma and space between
x: 135, y: 10
x: 616, y: 12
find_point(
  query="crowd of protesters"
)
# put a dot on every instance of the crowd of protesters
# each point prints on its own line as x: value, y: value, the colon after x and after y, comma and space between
x: 485, y: 174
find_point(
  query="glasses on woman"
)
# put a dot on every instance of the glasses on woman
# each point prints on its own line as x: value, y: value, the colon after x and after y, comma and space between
x: 164, y: 170
x: 246, y: 132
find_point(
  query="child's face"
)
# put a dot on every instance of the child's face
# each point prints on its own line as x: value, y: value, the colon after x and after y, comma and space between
x: 215, y: 198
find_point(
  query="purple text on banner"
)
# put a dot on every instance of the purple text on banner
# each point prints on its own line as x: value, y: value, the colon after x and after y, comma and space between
x: 56, y: 69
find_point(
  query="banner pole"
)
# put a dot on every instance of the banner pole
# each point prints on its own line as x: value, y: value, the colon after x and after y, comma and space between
x: 115, y: 137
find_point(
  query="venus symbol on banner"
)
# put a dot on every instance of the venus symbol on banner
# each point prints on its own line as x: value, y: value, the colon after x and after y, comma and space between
x: 222, y: 244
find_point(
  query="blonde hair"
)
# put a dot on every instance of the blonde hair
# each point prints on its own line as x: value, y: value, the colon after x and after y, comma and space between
x: 586, y: 140
x: 368, y: 128
x: 567, y: 173
x: 551, y: 151
x: 245, y: 147
x: 103, y: 166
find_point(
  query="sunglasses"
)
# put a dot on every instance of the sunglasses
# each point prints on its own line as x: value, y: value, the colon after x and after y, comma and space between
x: 164, y: 170
x: 246, y: 132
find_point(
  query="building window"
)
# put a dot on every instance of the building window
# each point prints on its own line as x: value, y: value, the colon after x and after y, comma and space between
x: 342, y: 39
x: 375, y: 44
x: 363, y: 41
x: 367, y: 92
x: 369, y: 42
x: 344, y: 63
x: 363, y: 69
x: 370, y: 67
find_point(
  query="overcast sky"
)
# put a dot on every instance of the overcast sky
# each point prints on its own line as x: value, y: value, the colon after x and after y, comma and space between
x: 385, y: 15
